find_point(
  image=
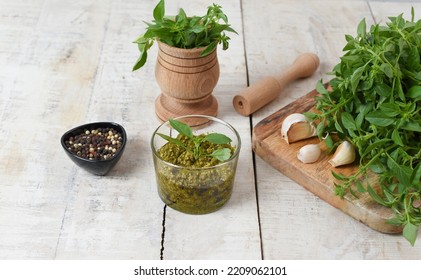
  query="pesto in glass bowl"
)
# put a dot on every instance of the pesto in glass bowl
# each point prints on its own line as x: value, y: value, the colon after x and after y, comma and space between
x: 195, y: 181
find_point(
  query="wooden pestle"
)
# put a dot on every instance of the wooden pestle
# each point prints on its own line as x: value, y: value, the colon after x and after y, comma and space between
x: 266, y: 90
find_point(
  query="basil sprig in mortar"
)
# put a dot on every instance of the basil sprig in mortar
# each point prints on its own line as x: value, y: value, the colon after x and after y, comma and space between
x: 182, y: 31
x: 375, y: 103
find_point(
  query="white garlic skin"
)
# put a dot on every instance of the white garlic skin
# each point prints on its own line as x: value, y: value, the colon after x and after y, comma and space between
x: 296, y: 127
x: 344, y: 154
x: 309, y: 153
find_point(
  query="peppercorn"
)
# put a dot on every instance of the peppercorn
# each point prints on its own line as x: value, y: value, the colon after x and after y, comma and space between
x: 95, y: 144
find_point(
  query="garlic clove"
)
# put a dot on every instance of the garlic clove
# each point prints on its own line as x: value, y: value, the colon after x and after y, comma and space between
x: 344, y: 154
x: 296, y: 127
x: 309, y: 153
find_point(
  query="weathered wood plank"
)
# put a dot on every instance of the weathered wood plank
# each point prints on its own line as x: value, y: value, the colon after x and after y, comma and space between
x: 120, y: 215
x: 295, y: 223
x: 72, y: 66
x: 233, y: 231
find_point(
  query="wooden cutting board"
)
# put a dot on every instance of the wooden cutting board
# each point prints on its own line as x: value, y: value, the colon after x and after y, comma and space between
x: 316, y: 177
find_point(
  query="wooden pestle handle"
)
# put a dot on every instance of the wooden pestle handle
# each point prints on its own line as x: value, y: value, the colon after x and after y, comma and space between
x: 266, y: 90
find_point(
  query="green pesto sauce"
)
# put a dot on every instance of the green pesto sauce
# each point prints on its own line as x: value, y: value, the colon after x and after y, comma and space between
x: 177, y: 155
x: 190, y: 188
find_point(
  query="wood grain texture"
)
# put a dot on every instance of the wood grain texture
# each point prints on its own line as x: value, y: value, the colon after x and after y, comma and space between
x: 266, y: 90
x: 186, y: 80
x: 70, y: 69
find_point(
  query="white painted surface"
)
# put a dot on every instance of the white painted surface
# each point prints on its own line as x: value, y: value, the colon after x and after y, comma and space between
x: 65, y: 63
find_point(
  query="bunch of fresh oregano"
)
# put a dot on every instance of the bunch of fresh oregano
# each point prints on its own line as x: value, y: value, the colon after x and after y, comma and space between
x: 185, y: 32
x: 375, y: 103
x: 194, y: 144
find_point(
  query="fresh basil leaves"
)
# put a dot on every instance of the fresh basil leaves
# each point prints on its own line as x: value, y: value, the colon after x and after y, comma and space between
x: 185, y: 32
x: 375, y: 103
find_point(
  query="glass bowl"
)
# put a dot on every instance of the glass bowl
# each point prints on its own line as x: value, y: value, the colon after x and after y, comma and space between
x: 195, y: 190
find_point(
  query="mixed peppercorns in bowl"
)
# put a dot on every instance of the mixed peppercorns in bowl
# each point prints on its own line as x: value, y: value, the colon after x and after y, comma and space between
x: 96, y: 147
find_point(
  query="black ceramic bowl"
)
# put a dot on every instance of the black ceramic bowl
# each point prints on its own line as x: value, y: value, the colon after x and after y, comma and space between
x: 95, y: 166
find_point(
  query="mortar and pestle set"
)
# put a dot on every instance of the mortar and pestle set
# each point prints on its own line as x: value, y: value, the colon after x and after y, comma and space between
x: 186, y: 89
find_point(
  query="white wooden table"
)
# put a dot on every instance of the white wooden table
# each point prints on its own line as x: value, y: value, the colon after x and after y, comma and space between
x: 65, y: 63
